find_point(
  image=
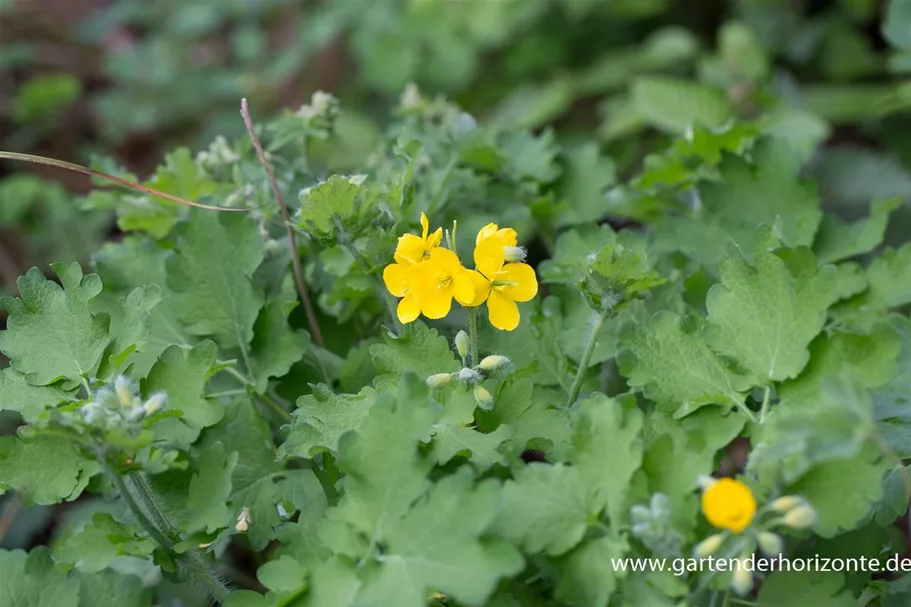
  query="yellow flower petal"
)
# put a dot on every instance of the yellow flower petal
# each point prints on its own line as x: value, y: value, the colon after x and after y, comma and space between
x: 434, y: 239
x: 463, y: 288
x: 410, y: 249
x: 425, y: 226
x: 394, y: 276
x: 486, y: 232
x: 445, y: 260
x: 729, y: 504
x: 489, y: 256
x: 523, y: 275
x: 481, y: 288
x: 408, y: 310
x: 436, y: 303
x: 503, y: 312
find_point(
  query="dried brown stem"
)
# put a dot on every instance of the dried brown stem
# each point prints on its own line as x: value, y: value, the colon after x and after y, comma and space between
x: 292, y: 239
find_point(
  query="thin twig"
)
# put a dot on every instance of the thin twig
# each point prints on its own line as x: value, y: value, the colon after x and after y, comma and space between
x: 295, y: 255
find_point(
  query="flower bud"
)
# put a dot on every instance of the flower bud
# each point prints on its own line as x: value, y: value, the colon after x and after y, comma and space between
x: 124, y: 393
x: 741, y: 578
x: 709, y: 546
x: 461, y: 344
x: 438, y: 381
x: 154, y: 404
x: 243, y: 520
x: 788, y: 502
x: 769, y: 543
x: 801, y: 517
x: 514, y: 254
x: 485, y: 400
x: 493, y: 363
x: 469, y: 375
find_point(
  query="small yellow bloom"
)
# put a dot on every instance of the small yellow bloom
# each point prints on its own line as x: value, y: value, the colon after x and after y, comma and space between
x: 498, y: 283
x: 412, y: 249
x: 435, y: 281
x: 729, y: 504
x: 397, y: 278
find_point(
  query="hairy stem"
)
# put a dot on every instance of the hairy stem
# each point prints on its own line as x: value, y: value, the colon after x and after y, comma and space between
x: 302, y: 289
x: 574, y: 390
x: 154, y: 532
x: 473, y: 335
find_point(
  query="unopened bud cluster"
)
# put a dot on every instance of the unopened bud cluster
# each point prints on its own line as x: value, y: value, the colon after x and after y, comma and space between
x: 470, y: 376
x: 120, y: 406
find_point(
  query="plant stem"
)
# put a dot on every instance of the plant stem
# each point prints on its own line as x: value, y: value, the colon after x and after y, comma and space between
x: 147, y: 498
x: 324, y: 476
x: 765, y: 404
x: 277, y: 408
x: 606, y: 310
x: 292, y: 238
x: 473, y: 335
x: 346, y: 241
x: 154, y: 532
x: 227, y: 393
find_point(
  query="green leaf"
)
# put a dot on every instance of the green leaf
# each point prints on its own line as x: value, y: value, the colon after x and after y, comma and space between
x: 767, y: 191
x: 134, y: 263
x: 675, y: 105
x: 588, y: 576
x: 284, y: 574
x: 30, y: 580
x: 584, y: 185
x: 99, y: 542
x: 575, y: 252
x: 532, y: 344
x: 669, y: 359
x: 322, y: 418
x: 28, y: 400
x: 275, y: 346
x: 765, y: 315
x: 334, y: 584
x: 419, y: 350
x: 607, y: 449
x: 45, y: 470
x: 181, y: 374
x: 131, y: 327
x: 51, y: 334
x: 386, y: 472
x: 210, y: 489
x: 453, y: 559
x: 110, y: 589
x: 482, y: 450
x: 553, y: 525
x: 896, y: 27
x: 804, y: 588
x: 211, y: 275
x: 838, y: 240
x: 338, y: 199
x: 530, y: 156
x: 890, y: 278
x: 843, y: 492
x: 524, y: 407
x: 258, y: 482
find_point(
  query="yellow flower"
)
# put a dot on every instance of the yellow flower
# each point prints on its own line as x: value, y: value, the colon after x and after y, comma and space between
x: 436, y: 280
x: 729, y: 504
x: 499, y: 283
x: 410, y: 251
x: 412, y: 248
x: 397, y: 278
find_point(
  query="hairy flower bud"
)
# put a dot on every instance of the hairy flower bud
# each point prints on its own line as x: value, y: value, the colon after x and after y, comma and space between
x: 709, y: 546
x: 493, y: 363
x: 124, y: 393
x: 483, y: 397
x: 769, y: 543
x: 801, y: 517
x: 438, y: 381
x: 786, y: 503
x: 461, y: 344
x: 469, y: 375
x: 155, y: 403
x: 514, y: 254
x: 741, y: 578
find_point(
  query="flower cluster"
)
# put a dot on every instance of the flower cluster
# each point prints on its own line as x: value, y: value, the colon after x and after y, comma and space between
x: 730, y: 505
x: 120, y: 407
x: 427, y: 277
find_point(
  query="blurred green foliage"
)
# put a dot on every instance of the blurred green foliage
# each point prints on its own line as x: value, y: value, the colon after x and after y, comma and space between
x: 161, y: 74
